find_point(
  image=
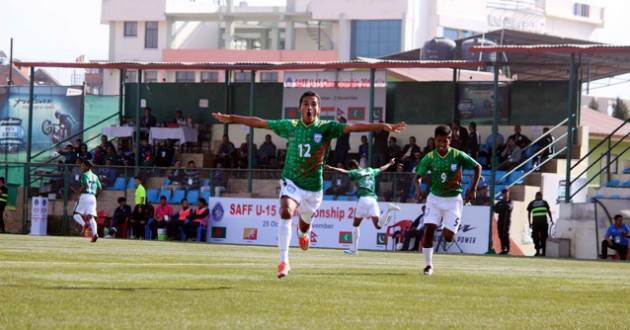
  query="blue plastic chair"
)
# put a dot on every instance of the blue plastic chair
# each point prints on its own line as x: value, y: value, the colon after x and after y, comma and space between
x: 499, y: 175
x: 192, y: 197
x: 202, y: 230
x: 119, y: 184
x: 152, y: 196
x: 206, y: 182
x: 626, y: 184
x: 205, y: 195
x: 514, y: 176
x: 329, y: 197
x: 131, y: 184
x: 613, y: 183
x: 167, y: 182
x: 327, y: 184
x: 177, y: 197
x: 166, y: 193
x: 615, y: 197
x: 148, y: 234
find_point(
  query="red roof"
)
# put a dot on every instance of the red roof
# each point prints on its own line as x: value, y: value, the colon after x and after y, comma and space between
x: 601, y: 124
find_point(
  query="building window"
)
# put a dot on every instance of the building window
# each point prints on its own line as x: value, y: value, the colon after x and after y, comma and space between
x: 185, y: 76
x: 269, y: 77
x: 209, y: 76
x: 242, y: 76
x: 581, y: 10
x: 131, y: 76
x: 375, y: 38
x: 455, y: 34
x: 131, y: 29
x: 151, y: 36
x: 151, y: 76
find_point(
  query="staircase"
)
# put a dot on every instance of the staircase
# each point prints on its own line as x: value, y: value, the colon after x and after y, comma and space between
x: 321, y: 38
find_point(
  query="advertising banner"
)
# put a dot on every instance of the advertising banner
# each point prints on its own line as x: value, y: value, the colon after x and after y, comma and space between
x: 39, y: 216
x: 476, y: 103
x: 57, y: 115
x: 343, y: 93
x: 255, y: 222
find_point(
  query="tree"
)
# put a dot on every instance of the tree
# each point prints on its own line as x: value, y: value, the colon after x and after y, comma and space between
x: 594, y: 105
x: 621, y: 110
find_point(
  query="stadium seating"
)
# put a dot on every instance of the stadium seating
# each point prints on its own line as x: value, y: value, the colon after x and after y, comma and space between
x: 177, y: 197
x: 205, y: 195
x: 166, y: 193
x: 131, y: 184
x: 206, y: 182
x: 166, y: 182
x: 152, y: 196
x: 615, y: 197
x: 192, y: 197
x: 626, y: 184
x: 612, y: 183
x: 329, y: 197
x: 119, y: 184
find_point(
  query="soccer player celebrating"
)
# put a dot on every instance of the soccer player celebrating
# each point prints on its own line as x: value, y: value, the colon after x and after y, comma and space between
x: 309, y: 144
x: 444, y: 203
x: 367, y: 204
x: 86, y: 205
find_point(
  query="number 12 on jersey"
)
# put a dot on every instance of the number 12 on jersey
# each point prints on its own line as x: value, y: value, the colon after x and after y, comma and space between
x: 305, y: 150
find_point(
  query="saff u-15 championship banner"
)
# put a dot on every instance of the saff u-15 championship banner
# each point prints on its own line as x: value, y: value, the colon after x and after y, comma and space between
x: 343, y: 93
x: 255, y: 221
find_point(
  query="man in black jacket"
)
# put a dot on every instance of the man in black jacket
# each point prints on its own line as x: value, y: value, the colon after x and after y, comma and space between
x: 379, y: 148
x: 537, y: 212
x: 415, y: 231
x: 504, y: 209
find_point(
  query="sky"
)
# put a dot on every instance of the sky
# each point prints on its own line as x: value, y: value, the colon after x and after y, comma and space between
x: 62, y: 30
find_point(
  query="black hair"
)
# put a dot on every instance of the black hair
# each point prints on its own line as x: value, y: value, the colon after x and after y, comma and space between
x: 393, y: 138
x: 162, y: 197
x: 617, y: 216
x: 311, y: 93
x: 443, y: 130
x: 191, y: 162
x: 180, y: 112
x: 203, y: 201
x: 121, y: 199
x: 473, y: 125
x: 511, y: 138
x: 87, y: 163
x: 353, y: 163
x: 539, y: 194
x: 184, y: 200
x: 147, y: 108
x: 2, y: 179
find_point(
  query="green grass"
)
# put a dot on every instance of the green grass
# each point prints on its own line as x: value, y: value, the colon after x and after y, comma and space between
x: 68, y: 283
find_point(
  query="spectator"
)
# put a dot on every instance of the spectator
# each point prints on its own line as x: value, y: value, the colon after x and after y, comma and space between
x: 122, y: 215
x: 183, y: 215
x: 463, y: 132
x: 107, y: 174
x: 521, y: 140
x: 226, y: 152
x: 148, y: 120
x: 429, y: 147
x: 393, y: 150
x: 219, y: 180
x: 511, y: 155
x: 457, y: 141
x: 474, y: 141
x: 504, y: 209
x: 141, y: 193
x: 77, y: 145
x: 417, y: 157
x: 84, y: 153
x: 144, y: 145
x: 403, y: 183
x: 161, y: 216
x: 379, y: 147
x: 165, y: 154
x: 177, y: 176
x: 342, y: 146
x: 408, y: 151
x: 267, y: 151
x: 106, y: 143
x: 139, y: 218
x: 148, y: 160
x: 200, y: 218
x: 282, y: 155
x: 98, y: 156
x: 616, y: 238
x: 110, y: 154
x: 75, y: 175
x: 416, y: 231
x: 363, y: 151
x: 482, y: 196
x: 243, y: 152
x: 545, y: 143
x: 70, y: 156
x: 192, y: 177
x: 179, y: 119
x: 341, y: 184
x: 123, y: 159
x: 539, y: 209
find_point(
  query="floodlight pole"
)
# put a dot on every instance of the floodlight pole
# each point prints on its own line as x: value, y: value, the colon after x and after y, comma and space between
x: 227, y: 99
x: 138, y: 107
x: 27, y: 169
x: 120, y: 97
x: 567, y: 191
x: 495, y: 133
x: 250, y: 151
x: 370, y: 143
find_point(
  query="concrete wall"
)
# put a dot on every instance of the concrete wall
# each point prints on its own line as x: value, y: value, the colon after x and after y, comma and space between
x: 195, y: 35
x: 622, y: 163
x: 132, y: 48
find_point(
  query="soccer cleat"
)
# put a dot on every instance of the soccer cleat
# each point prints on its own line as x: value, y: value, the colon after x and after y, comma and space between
x: 351, y: 251
x: 305, y: 241
x: 94, y: 238
x: 428, y: 270
x: 283, y: 269
x: 393, y: 207
x: 83, y: 230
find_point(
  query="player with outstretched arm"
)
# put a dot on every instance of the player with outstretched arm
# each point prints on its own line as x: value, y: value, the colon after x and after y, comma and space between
x: 367, y: 205
x: 302, y: 182
x: 86, y: 205
x: 444, y: 203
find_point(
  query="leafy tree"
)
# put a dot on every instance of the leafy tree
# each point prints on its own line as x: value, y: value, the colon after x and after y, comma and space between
x: 593, y: 104
x: 621, y: 110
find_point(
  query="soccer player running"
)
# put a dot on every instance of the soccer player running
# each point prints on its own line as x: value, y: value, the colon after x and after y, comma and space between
x: 367, y: 204
x: 309, y: 143
x: 444, y: 203
x: 86, y: 205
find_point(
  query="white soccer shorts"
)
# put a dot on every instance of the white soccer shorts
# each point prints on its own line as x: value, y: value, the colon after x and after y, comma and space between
x: 308, y: 201
x: 86, y: 205
x: 367, y: 206
x: 445, y: 212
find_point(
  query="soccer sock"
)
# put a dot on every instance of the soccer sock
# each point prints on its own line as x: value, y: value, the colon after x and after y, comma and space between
x: 284, y: 239
x: 428, y: 256
x: 93, y: 225
x: 78, y: 218
x: 356, y: 233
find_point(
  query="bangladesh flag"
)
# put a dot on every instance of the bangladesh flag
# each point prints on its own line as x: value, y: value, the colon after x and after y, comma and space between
x: 219, y: 232
x: 291, y: 113
x: 345, y: 237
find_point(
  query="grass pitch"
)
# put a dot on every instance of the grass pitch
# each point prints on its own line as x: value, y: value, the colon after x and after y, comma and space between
x: 68, y: 283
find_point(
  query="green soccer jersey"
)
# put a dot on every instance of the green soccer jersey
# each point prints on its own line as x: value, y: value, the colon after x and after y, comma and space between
x: 308, y: 149
x: 446, y: 171
x: 364, y: 177
x: 91, y: 180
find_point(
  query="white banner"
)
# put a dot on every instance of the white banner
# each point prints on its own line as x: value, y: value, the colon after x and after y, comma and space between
x: 39, y: 216
x: 255, y: 221
x: 344, y: 93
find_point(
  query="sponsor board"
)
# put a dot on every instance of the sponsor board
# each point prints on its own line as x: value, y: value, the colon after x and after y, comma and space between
x: 332, y: 225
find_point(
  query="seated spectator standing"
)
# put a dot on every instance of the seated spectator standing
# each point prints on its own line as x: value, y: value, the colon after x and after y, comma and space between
x: 226, y: 152
x: 123, y: 159
x: 139, y: 218
x: 106, y: 143
x: 77, y: 145
x: 177, y: 176
x: 463, y: 132
x: 417, y: 157
x: 122, y: 215
x: 98, y: 156
x: 393, y: 150
x: 243, y: 152
x: 457, y: 141
x: 545, y: 143
x: 84, y: 153
x: 474, y: 141
x: 219, y: 180
x: 521, y: 140
x: 200, y: 218
x: 148, y: 120
x: 192, y: 177
x: 363, y: 151
x: 341, y: 184
x: 161, y: 216
x: 429, y: 147
x: 69, y: 154
x: 511, y: 155
x: 179, y: 119
x: 267, y: 151
x: 415, y: 231
x: 403, y: 183
x: 184, y: 214
x: 616, y: 238
x: 165, y: 153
